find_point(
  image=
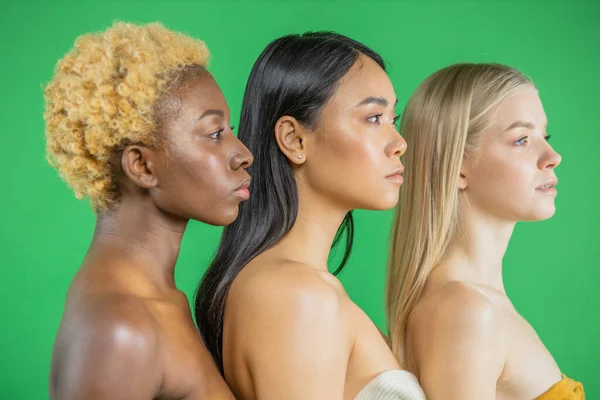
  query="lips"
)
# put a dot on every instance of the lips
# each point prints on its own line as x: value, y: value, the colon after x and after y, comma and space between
x: 549, y: 184
x: 548, y: 187
x: 242, y: 190
x: 396, y: 175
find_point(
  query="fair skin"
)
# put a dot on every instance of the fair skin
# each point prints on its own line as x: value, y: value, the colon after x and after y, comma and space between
x: 127, y: 331
x: 464, y: 338
x: 290, y: 329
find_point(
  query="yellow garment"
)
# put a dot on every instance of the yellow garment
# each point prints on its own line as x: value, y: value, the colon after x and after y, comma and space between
x: 566, y: 389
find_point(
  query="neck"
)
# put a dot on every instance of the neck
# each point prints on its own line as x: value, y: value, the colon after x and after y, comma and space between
x: 476, y: 254
x: 310, y: 239
x: 146, y: 237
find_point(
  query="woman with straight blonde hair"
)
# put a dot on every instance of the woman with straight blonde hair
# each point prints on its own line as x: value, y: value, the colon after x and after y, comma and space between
x: 478, y: 162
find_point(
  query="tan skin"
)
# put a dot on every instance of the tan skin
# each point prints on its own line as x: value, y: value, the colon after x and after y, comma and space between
x: 290, y: 329
x: 465, y: 338
x: 127, y: 331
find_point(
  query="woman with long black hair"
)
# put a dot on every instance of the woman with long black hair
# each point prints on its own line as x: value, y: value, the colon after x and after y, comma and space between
x: 318, y: 115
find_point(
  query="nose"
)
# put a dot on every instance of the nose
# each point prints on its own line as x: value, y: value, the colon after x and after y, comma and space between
x: 396, y: 147
x: 550, y: 159
x: 242, y: 158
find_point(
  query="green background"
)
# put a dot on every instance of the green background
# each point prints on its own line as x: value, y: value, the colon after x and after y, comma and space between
x: 551, y: 269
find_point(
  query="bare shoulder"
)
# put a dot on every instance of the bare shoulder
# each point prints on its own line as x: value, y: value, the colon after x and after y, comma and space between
x: 457, y: 322
x: 114, y: 341
x: 289, y: 311
x: 457, y: 304
x: 103, y: 306
x: 125, y: 321
x: 288, y: 285
x: 286, y: 297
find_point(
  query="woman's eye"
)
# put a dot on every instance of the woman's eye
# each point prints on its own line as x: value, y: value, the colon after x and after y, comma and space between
x: 217, y: 134
x: 374, y: 118
x: 521, y: 141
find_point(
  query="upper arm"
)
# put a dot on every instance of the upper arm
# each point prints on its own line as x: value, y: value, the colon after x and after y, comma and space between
x: 113, y: 357
x: 458, y: 347
x: 298, y: 345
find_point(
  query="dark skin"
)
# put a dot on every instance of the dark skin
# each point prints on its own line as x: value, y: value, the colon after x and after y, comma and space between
x: 127, y: 331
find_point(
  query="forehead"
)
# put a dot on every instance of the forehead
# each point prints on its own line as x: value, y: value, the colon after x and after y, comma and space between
x: 181, y: 108
x: 365, y: 78
x: 523, y: 104
x: 201, y: 93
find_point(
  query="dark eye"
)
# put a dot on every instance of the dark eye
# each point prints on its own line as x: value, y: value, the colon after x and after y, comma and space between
x: 374, y: 118
x: 547, y: 137
x: 396, y: 120
x: 521, y: 141
x: 216, y: 135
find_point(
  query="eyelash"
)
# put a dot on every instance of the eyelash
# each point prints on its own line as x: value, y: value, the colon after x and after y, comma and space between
x: 522, y: 140
x: 216, y: 135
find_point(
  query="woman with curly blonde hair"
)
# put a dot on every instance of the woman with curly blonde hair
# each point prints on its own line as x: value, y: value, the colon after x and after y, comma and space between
x: 135, y: 123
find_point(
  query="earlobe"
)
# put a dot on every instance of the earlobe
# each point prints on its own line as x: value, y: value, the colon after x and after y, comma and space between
x: 138, y: 166
x: 463, y: 183
x: 290, y: 138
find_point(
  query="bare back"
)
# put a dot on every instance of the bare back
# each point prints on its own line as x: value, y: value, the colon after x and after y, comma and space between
x: 291, y: 331
x: 115, y: 344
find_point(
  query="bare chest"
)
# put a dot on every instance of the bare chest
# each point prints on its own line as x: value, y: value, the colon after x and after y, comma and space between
x: 370, y: 354
x: 530, y: 369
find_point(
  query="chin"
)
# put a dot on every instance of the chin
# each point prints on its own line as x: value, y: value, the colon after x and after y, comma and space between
x: 229, y: 217
x: 383, y: 204
x: 541, y: 214
x: 225, y: 218
x: 390, y: 201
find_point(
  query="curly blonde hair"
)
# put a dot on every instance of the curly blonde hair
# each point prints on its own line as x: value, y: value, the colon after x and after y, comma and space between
x: 103, y: 96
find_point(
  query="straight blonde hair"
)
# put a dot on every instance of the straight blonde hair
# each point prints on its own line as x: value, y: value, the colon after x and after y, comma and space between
x: 442, y: 124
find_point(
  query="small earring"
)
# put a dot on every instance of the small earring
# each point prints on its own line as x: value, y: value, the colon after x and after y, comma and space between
x: 299, y: 156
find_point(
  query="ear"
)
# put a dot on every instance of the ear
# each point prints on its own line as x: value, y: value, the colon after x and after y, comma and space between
x: 291, y: 139
x: 463, y: 180
x: 137, y: 165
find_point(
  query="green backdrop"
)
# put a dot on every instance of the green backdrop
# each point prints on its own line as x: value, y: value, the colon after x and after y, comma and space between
x: 551, y: 268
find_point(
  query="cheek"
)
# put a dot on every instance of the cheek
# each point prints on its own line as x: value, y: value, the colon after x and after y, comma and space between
x: 503, y: 185
x: 496, y: 174
x: 355, y: 153
x: 199, y: 186
x: 191, y: 173
x: 329, y: 163
x: 352, y: 167
x: 209, y: 172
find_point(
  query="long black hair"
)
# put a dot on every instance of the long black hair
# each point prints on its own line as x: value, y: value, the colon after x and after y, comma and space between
x: 295, y: 75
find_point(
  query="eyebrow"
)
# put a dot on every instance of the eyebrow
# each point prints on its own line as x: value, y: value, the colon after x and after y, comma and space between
x: 382, y: 101
x: 206, y: 113
x: 523, y: 124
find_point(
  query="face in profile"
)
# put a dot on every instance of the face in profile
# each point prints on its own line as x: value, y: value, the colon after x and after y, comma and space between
x: 202, y: 171
x: 353, y: 157
x: 512, y: 176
